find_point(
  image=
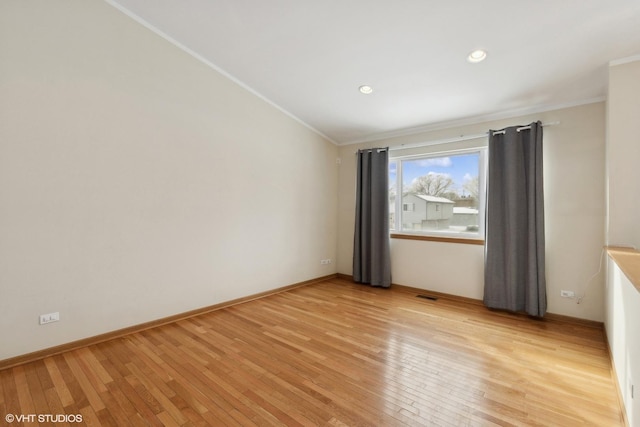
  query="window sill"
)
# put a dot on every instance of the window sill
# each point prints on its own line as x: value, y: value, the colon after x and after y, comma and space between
x: 460, y: 240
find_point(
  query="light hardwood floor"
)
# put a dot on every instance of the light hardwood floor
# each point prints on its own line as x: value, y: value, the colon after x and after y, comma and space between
x: 332, y: 353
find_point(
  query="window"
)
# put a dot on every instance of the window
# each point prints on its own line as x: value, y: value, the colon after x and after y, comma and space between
x: 438, y: 195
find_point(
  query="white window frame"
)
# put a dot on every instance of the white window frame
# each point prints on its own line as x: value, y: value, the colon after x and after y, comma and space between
x: 482, y: 183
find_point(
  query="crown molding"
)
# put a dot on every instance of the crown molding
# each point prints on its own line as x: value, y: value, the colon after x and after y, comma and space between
x: 507, y: 114
x: 213, y: 66
x: 625, y: 60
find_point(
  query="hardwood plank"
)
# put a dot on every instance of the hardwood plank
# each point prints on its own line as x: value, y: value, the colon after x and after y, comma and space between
x: 89, y: 417
x: 74, y: 362
x: 22, y: 390
x: 78, y: 398
x: 159, y: 390
x: 142, y: 394
x: 11, y: 404
x: 91, y: 366
x: 332, y: 353
x: 140, y: 405
x: 55, y: 405
x: 35, y: 389
x: 114, y: 410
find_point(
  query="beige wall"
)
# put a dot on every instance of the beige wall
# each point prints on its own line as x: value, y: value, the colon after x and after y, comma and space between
x: 574, y: 192
x: 623, y: 154
x: 136, y: 182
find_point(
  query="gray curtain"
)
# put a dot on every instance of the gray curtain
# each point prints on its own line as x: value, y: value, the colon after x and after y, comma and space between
x: 371, y: 254
x: 514, y: 277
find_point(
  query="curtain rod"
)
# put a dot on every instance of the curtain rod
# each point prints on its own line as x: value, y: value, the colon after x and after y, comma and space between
x: 369, y: 150
x: 461, y: 138
x: 503, y: 131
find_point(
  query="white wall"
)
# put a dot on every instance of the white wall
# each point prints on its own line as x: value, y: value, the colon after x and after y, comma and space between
x: 137, y: 183
x: 574, y: 196
x: 623, y: 332
x: 623, y: 154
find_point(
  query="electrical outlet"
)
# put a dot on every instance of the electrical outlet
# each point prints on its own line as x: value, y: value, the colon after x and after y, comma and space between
x: 567, y: 294
x: 50, y: 317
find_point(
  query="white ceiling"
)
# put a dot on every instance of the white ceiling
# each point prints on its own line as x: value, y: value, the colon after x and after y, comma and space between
x: 309, y: 57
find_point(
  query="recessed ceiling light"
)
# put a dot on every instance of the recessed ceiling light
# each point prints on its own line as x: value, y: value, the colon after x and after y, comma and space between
x: 477, y: 56
x: 365, y: 89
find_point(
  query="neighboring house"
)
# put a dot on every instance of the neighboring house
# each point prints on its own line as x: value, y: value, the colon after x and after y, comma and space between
x: 465, y: 218
x: 421, y: 212
x: 426, y: 212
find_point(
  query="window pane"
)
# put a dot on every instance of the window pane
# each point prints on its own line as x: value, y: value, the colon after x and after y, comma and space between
x: 440, y: 194
x: 393, y: 169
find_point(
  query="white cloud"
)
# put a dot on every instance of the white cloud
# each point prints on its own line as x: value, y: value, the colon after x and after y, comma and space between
x: 444, y: 162
x: 446, y: 175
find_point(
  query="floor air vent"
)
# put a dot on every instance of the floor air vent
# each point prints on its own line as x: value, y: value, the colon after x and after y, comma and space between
x: 429, y: 297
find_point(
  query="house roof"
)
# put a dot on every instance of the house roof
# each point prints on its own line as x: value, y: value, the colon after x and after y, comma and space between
x: 462, y: 210
x: 433, y: 199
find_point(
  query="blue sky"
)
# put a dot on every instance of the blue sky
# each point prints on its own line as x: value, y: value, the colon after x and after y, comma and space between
x: 458, y: 167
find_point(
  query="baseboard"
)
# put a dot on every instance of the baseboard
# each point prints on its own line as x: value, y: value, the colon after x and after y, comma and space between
x: 616, y: 383
x: 549, y: 316
x: 574, y: 320
x: 345, y: 277
x: 51, y: 351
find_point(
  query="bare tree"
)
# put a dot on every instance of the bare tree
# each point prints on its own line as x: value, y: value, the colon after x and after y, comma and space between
x: 471, y: 186
x: 432, y: 184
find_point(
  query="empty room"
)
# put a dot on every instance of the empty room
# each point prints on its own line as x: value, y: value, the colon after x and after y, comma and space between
x: 357, y: 213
